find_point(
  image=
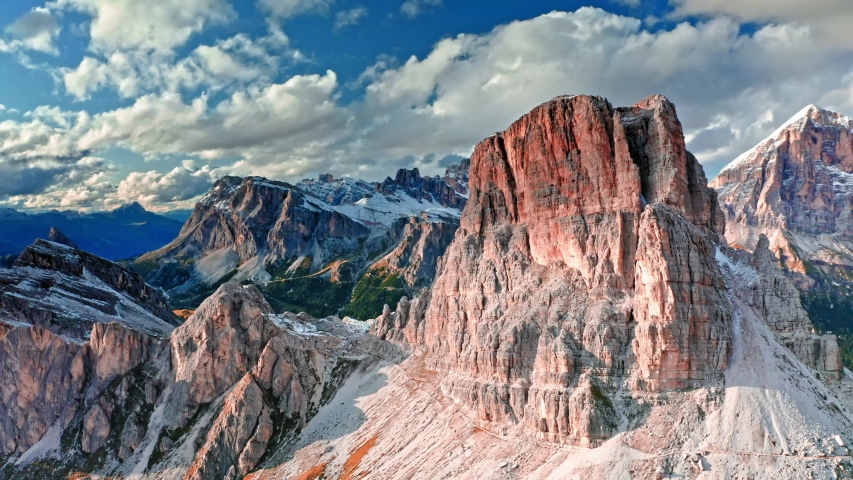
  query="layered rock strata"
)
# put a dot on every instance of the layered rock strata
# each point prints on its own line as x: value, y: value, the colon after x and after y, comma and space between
x: 584, y: 260
x: 68, y: 290
x: 212, y: 401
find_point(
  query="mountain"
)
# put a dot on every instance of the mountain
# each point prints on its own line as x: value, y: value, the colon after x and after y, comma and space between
x: 224, y: 392
x: 66, y: 290
x: 125, y: 232
x: 320, y: 246
x: 587, y: 300
x: 586, y: 321
x: 796, y: 187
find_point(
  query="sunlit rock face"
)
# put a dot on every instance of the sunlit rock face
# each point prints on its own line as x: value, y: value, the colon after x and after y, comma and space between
x: 584, y: 259
x: 797, y: 188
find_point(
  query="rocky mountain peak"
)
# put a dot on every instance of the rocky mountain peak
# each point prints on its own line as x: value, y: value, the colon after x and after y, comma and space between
x: 57, y: 236
x: 434, y: 189
x: 796, y: 184
x: 68, y: 290
x: 133, y: 208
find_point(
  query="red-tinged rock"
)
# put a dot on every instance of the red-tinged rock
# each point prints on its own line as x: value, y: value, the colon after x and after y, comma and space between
x: 585, y: 252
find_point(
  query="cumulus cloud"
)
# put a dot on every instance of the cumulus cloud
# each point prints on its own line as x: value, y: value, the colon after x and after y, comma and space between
x: 413, y: 8
x: 417, y: 111
x: 291, y: 8
x: 346, y: 18
x: 154, y: 188
x: 472, y: 85
x: 36, y: 30
x: 231, y: 62
x: 153, y: 25
x: 829, y: 20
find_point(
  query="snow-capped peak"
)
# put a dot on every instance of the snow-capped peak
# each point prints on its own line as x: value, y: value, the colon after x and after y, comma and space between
x: 818, y: 116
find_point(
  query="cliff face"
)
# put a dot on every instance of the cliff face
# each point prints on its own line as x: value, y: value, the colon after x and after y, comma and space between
x: 210, y: 402
x: 796, y: 187
x: 584, y: 265
x: 432, y: 189
x: 241, y: 220
x: 418, y: 244
x: 309, y: 244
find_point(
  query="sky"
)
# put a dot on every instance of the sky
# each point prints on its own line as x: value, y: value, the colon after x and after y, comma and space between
x: 106, y: 102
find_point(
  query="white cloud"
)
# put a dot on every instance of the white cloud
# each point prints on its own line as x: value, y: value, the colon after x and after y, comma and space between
x: 235, y: 61
x: 731, y: 89
x: 346, y: 18
x: 829, y: 20
x: 151, y: 25
x: 291, y: 8
x: 413, y: 8
x: 155, y: 188
x: 472, y: 85
x: 36, y: 30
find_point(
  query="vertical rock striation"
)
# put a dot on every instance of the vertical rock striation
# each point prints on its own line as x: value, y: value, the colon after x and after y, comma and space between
x: 584, y: 259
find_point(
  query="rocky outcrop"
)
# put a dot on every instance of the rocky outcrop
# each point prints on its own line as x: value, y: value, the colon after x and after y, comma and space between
x: 57, y: 236
x: 325, y: 232
x: 217, y: 346
x: 793, y: 182
x: 431, y: 189
x: 585, y: 257
x: 42, y: 377
x: 457, y: 176
x: 794, y: 190
x: 238, y: 437
x: 68, y: 290
x: 683, y: 331
x: 250, y: 219
x: 419, y: 245
x: 776, y: 299
x: 210, y: 402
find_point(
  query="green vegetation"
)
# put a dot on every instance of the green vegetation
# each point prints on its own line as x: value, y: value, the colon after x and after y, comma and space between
x: 317, y: 296
x: 372, y: 292
x: 831, y: 310
x: 166, y: 275
x: 278, y: 270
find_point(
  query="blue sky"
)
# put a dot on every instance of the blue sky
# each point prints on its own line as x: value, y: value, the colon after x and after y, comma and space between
x: 110, y: 101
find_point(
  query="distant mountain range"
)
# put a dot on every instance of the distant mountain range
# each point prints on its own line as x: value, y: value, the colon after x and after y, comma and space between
x: 125, y: 232
x: 321, y: 246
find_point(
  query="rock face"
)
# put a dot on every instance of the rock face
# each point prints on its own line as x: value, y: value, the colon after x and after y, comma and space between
x: 212, y: 401
x: 319, y: 235
x: 586, y: 250
x: 796, y: 188
x: 42, y: 375
x: 56, y: 236
x: 419, y: 243
x: 68, y: 290
x: 423, y: 188
x: 242, y: 219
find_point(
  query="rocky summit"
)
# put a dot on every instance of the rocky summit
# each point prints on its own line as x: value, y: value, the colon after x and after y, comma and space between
x: 796, y: 188
x: 587, y: 319
x: 67, y: 291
